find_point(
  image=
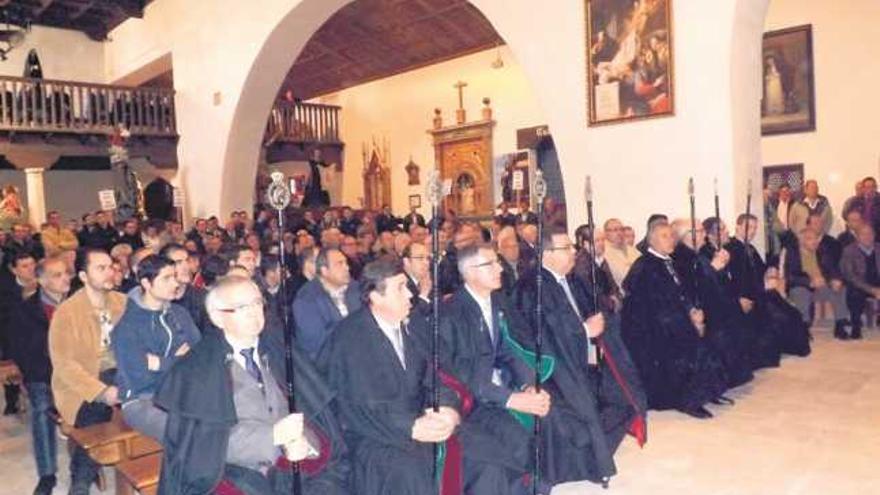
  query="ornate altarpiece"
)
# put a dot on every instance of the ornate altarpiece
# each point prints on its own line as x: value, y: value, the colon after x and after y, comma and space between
x: 463, y: 154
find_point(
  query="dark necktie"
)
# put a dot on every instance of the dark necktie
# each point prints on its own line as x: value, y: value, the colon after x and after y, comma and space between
x: 251, y: 366
x: 866, y: 211
x: 671, y: 270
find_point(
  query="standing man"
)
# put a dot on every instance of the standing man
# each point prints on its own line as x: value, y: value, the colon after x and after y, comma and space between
x: 29, y: 324
x: 811, y: 204
x: 56, y: 238
x: 868, y: 203
x: 84, y: 366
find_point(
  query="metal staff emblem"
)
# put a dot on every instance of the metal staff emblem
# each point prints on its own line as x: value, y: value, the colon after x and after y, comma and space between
x: 278, y: 197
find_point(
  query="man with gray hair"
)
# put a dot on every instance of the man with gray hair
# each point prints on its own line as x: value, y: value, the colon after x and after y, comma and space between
x: 619, y: 255
x: 228, y: 415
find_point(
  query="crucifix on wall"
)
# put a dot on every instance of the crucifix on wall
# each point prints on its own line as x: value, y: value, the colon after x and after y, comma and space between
x: 460, y: 114
x: 463, y: 155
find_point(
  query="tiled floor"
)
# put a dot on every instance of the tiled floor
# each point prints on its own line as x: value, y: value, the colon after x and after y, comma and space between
x: 809, y: 427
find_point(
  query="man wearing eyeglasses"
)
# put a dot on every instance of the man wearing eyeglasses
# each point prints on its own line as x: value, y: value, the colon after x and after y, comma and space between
x: 475, y: 325
x: 417, y: 265
x: 594, y: 406
x: 228, y: 416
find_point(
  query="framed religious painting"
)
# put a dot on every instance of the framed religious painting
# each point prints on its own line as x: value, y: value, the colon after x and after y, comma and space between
x: 415, y: 200
x: 788, y: 104
x: 629, y: 60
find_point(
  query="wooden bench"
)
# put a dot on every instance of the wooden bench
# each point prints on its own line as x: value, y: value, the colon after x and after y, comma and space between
x: 112, y: 442
x: 139, y: 475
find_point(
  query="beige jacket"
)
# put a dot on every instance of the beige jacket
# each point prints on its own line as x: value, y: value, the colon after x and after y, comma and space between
x: 74, y: 347
x: 58, y: 240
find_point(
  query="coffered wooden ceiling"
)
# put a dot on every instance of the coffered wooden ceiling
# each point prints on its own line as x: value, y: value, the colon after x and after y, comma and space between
x: 372, y: 39
x: 95, y: 18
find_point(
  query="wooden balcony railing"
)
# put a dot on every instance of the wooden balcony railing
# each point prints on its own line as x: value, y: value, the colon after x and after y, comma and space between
x: 42, y: 105
x: 303, y: 123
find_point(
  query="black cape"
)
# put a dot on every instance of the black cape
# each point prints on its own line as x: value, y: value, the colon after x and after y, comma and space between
x: 379, y: 401
x: 678, y: 368
x: 197, y: 395
x: 490, y: 433
x: 728, y: 331
x: 592, y: 409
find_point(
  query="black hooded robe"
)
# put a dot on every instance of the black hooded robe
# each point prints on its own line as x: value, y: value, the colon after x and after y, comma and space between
x: 678, y: 368
x: 197, y: 394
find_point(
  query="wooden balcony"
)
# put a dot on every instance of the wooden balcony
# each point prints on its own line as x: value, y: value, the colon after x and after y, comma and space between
x: 303, y: 123
x: 295, y: 128
x: 70, y: 118
x: 43, y: 105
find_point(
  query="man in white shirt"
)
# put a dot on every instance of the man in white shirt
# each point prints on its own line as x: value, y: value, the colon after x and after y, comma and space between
x: 619, y: 255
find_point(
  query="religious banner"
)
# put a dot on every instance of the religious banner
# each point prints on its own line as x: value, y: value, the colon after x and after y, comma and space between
x: 629, y: 60
x: 788, y: 104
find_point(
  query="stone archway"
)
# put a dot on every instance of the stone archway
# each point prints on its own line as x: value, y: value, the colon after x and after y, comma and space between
x: 277, y: 54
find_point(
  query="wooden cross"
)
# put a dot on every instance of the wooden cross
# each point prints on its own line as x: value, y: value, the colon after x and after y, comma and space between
x: 460, y: 85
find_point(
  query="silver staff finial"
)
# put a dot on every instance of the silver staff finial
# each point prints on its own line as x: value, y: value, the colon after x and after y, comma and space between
x: 588, y: 189
x: 278, y: 194
x: 540, y: 186
x: 691, y: 187
x: 434, y: 187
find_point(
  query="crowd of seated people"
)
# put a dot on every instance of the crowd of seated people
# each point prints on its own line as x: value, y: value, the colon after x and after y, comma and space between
x: 183, y: 329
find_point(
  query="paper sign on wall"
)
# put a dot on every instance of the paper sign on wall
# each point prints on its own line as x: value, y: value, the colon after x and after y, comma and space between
x: 178, y: 197
x: 107, y: 199
x: 518, y: 180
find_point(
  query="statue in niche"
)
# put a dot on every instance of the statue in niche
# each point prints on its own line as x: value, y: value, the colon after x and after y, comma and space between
x: 412, y: 172
x: 315, y: 194
x: 377, y: 176
x: 467, y: 204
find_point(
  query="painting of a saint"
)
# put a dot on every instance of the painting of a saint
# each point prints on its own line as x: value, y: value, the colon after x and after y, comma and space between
x: 788, y: 99
x: 629, y: 51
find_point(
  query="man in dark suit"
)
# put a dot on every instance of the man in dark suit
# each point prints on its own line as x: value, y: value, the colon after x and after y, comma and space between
x: 475, y: 326
x: 417, y: 266
x: 853, y: 222
x: 868, y: 203
x: 595, y: 402
x: 414, y: 218
x: 507, y: 245
x: 382, y: 379
x: 386, y: 221
x: 29, y: 328
x: 324, y: 301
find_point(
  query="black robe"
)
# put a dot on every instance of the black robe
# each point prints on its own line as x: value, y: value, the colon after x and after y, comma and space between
x: 197, y: 394
x: 779, y: 325
x: 379, y: 402
x: 678, y: 368
x: 490, y: 434
x: 592, y: 408
x: 728, y: 331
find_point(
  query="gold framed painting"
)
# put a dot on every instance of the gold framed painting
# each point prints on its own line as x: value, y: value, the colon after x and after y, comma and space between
x: 629, y: 60
x: 788, y: 104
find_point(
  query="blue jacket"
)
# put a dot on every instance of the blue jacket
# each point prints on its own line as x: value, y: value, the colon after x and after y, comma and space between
x: 142, y: 331
x: 316, y: 315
